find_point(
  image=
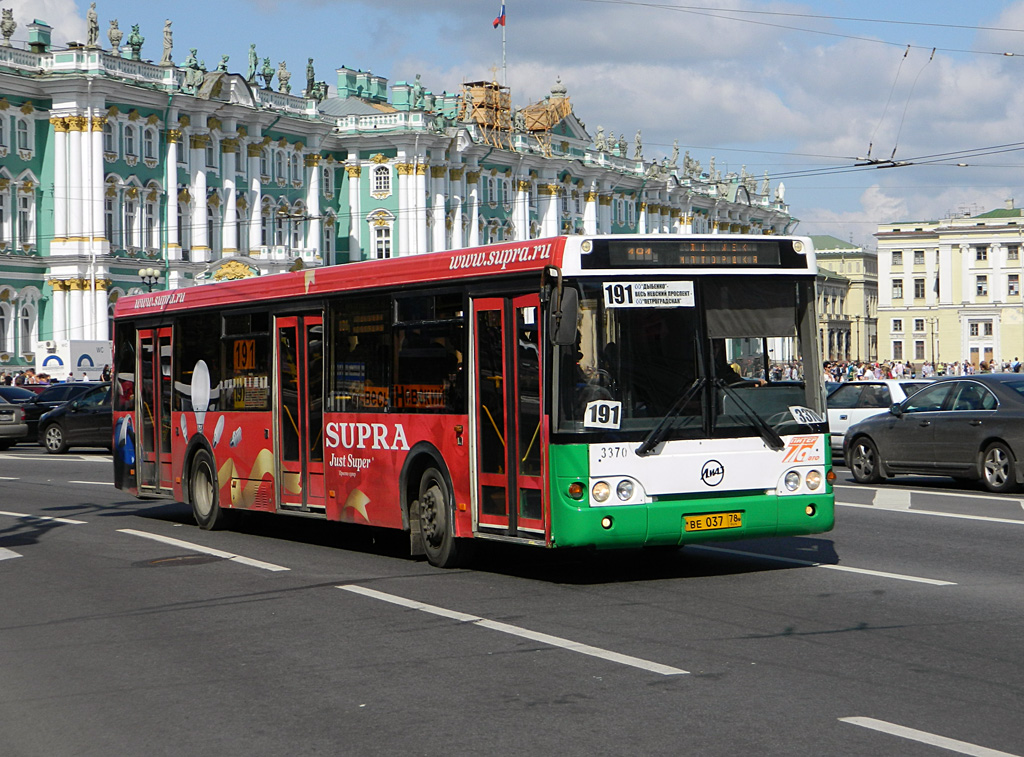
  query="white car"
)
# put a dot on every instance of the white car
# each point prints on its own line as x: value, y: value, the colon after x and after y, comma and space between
x: 854, y: 401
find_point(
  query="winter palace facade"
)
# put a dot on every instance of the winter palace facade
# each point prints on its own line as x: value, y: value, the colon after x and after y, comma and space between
x: 112, y: 166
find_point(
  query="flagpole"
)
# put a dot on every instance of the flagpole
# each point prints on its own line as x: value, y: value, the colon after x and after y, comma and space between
x: 504, y: 65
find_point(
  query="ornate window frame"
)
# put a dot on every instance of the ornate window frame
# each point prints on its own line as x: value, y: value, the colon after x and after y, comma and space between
x: 380, y: 181
x: 381, y: 222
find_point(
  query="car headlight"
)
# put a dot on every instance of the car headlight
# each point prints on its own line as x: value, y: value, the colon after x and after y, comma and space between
x: 625, y: 490
x: 601, y: 492
x: 813, y: 480
x: 792, y: 480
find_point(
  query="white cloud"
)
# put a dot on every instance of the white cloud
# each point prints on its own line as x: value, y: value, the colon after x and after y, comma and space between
x: 62, y: 15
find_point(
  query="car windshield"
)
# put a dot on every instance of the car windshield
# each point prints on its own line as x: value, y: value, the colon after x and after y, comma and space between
x: 726, y: 365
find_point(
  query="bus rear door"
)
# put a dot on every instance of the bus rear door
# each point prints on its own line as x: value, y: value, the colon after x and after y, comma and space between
x: 299, y: 412
x: 507, y: 403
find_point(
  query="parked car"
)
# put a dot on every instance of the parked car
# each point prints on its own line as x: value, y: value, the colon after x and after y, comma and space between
x: 83, y: 422
x: 971, y: 428
x: 16, y: 394
x: 853, y: 401
x: 53, y: 396
x: 12, y: 424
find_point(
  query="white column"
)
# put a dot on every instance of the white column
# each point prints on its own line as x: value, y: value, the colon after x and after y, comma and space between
x: 355, y: 215
x: 590, y: 211
x: 99, y: 319
x: 171, y: 190
x: 200, y: 238
x: 604, y: 210
x: 641, y: 225
x: 76, y: 227
x: 438, y: 206
x: 76, y: 328
x: 60, y: 308
x: 96, y: 196
x: 229, y: 222
x: 522, y: 209
x: 253, y: 151
x: 456, y: 191
x: 473, y: 198
x: 313, y: 238
x: 420, y: 205
x: 60, y: 179
x: 406, y: 218
x: 547, y: 206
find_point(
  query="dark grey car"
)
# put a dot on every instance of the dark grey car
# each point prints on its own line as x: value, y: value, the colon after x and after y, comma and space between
x: 967, y: 427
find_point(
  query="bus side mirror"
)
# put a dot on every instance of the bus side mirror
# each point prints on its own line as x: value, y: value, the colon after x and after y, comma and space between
x: 564, y: 314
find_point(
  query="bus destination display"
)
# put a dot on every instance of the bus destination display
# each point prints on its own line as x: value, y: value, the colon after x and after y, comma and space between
x: 697, y: 253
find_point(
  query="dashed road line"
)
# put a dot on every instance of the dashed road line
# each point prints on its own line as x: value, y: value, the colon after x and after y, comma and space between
x: 524, y: 633
x: 828, y: 566
x: 8, y: 554
x: 93, y: 483
x: 29, y: 516
x: 935, y: 513
x: 953, y: 745
x: 205, y: 550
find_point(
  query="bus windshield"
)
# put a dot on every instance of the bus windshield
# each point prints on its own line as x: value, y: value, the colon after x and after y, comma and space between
x: 726, y: 362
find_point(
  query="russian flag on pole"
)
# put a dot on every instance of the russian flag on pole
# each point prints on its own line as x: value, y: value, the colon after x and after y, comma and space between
x: 500, y: 20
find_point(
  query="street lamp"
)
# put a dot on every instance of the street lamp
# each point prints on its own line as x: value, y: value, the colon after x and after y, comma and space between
x: 857, y: 318
x: 150, y: 276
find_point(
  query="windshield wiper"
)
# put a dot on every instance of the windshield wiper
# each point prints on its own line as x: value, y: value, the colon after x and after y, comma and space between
x: 653, y: 439
x: 768, y: 434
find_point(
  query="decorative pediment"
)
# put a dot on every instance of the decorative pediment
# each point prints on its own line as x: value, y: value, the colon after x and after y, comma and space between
x: 232, y: 270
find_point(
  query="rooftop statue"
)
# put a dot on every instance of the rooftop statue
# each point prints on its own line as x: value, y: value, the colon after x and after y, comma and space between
x: 222, y: 67
x: 310, y: 79
x: 253, y: 64
x: 8, y: 25
x: 168, y: 44
x: 638, y: 146
x: 267, y: 73
x: 92, y: 26
x: 284, y: 77
x: 114, y: 34
x: 135, y: 42
x: 600, y: 144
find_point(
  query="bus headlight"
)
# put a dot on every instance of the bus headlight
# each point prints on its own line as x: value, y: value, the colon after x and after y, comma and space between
x: 792, y: 480
x: 813, y: 480
x: 601, y: 492
x: 625, y: 489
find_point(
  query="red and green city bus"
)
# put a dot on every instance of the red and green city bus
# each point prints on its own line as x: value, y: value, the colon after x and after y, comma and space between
x: 605, y: 392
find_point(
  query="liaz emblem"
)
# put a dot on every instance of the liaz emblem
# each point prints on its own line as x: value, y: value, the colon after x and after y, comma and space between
x: 712, y: 473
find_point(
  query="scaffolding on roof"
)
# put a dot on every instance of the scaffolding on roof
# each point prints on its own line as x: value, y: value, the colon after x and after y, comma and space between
x: 540, y: 118
x: 488, y: 105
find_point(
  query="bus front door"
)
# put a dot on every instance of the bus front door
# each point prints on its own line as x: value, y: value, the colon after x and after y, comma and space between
x: 154, y: 409
x: 507, y: 404
x: 299, y: 412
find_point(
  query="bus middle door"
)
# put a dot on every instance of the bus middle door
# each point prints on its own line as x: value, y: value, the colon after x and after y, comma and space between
x: 507, y: 408
x: 154, y: 409
x: 299, y: 412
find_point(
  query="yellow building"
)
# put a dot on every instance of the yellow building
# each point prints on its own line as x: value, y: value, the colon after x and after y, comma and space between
x: 847, y: 310
x: 950, y: 290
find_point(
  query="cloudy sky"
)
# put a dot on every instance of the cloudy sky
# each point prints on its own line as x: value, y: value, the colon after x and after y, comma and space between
x: 803, y: 90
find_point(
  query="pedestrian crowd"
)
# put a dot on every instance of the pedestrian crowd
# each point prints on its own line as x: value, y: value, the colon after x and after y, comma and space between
x: 28, y: 376
x: 842, y: 370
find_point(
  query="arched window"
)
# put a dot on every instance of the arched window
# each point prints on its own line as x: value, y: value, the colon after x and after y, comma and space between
x: 184, y: 228
x: 108, y: 220
x: 130, y: 225
x: 327, y: 182
x: 129, y: 140
x: 27, y: 330
x: 211, y: 153
x: 4, y: 234
x: 279, y: 172
x: 213, y: 239
x: 5, y: 325
x: 381, y: 183
x: 108, y: 138
x: 149, y: 231
x: 26, y: 220
x: 296, y: 172
x: 264, y: 164
x: 242, y: 221
x: 3, y: 132
x: 381, y: 223
x: 327, y: 253
x: 149, y: 144
x: 492, y: 191
x: 24, y: 136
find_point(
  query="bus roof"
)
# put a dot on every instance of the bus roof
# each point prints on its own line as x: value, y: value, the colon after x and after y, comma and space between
x: 568, y: 253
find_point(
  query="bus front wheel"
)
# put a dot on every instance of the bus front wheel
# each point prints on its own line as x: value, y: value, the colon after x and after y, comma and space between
x: 437, y: 529
x: 205, y: 493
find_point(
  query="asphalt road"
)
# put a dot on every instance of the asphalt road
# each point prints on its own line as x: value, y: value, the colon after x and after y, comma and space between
x: 126, y: 630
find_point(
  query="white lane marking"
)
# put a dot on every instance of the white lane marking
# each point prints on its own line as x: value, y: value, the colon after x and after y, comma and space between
x: 953, y: 745
x: 7, y: 554
x: 29, y: 516
x: 93, y: 483
x: 543, y: 638
x: 811, y: 564
x: 936, y: 513
x: 205, y: 550
x: 9, y: 478
x: 937, y: 493
x: 892, y: 499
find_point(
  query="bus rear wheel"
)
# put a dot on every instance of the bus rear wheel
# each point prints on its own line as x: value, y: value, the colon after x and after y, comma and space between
x: 204, y: 491
x: 437, y: 527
